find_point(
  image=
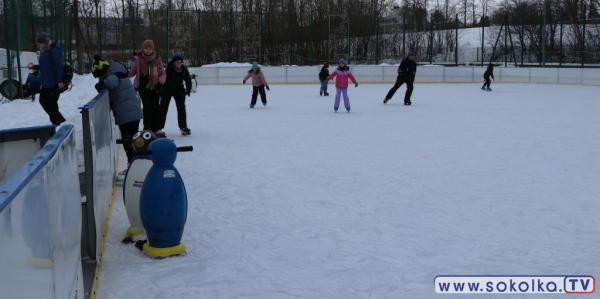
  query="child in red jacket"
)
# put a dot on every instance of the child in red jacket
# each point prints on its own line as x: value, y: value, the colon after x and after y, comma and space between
x: 341, y: 84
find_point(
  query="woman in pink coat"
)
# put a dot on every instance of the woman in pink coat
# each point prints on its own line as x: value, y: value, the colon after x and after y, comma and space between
x: 341, y: 84
x: 150, y: 76
x: 258, y: 84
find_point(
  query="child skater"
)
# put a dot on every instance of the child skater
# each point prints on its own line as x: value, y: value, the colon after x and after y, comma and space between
x: 322, y: 77
x: 34, y: 82
x: 489, y: 72
x: 177, y: 74
x: 258, y: 84
x: 341, y: 84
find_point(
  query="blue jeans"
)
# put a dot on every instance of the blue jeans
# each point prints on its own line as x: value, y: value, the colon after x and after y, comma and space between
x: 323, y: 86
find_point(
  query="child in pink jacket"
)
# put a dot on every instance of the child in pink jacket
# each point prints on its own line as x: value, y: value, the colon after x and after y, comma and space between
x: 341, y: 84
x: 258, y: 84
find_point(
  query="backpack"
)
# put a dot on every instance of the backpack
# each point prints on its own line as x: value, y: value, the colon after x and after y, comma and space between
x: 67, y: 76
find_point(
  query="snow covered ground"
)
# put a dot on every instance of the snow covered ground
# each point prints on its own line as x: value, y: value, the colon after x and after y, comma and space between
x: 293, y: 200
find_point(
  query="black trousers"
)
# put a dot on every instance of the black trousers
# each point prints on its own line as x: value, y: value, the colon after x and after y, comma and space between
x: 49, y: 101
x: 150, y: 108
x: 487, y: 82
x: 127, y: 131
x: 255, y: 91
x: 399, y: 81
x: 165, y: 100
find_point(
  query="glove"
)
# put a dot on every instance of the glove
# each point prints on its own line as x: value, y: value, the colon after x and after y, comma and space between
x: 244, y: 81
x: 268, y: 87
x: 99, y: 86
x: 188, y: 93
x: 355, y: 84
x: 158, y: 87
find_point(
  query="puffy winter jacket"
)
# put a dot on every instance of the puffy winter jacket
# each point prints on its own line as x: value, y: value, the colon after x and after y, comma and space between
x: 124, y: 102
x: 257, y: 79
x: 343, y: 76
x: 136, y: 71
x: 408, y: 69
x: 51, y: 66
x: 323, y: 74
x: 489, y: 72
x: 174, y: 82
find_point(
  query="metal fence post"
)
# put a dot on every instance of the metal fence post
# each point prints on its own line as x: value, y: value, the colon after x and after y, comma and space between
x: 456, y: 43
x: 482, y: 39
x: 230, y: 33
x: 199, y: 50
x: 290, y: 35
x: 431, y: 40
x: 100, y: 29
x: 168, y: 31
x: 522, y: 35
x: 562, y: 16
x: 583, y: 37
x: 505, y: 39
x: 260, y: 39
x: 404, y: 35
x: 377, y: 39
x: 349, y: 50
x: 311, y: 39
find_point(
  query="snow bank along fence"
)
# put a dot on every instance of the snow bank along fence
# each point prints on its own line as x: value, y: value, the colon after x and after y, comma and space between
x: 40, y: 214
x: 388, y: 74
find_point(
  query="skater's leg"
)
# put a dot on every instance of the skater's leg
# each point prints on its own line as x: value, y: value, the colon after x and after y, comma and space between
x: 321, y: 87
x: 254, y: 95
x: 346, y: 99
x: 263, y: 95
x: 487, y: 82
x: 155, y: 123
x: 338, y: 93
x: 399, y: 82
x: 409, y: 90
x: 146, y: 107
x: 49, y: 101
x: 181, y: 113
x: 127, y: 131
x: 165, y: 101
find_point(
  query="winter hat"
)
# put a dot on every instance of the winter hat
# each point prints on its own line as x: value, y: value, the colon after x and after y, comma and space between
x: 148, y: 44
x: 410, y: 54
x: 42, y: 38
x: 99, y: 67
x: 342, y: 61
x: 254, y: 65
x: 177, y: 57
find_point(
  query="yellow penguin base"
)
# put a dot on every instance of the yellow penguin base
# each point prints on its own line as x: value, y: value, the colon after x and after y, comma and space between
x: 39, y: 262
x: 163, y: 252
x: 132, y: 231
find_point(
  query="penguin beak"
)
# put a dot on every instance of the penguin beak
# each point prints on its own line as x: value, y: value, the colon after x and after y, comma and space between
x: 139, y: 143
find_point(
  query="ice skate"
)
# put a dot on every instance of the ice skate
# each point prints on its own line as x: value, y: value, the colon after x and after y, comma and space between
x: 185, y: 131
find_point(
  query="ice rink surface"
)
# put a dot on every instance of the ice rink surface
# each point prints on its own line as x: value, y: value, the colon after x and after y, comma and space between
x: 293, y: 200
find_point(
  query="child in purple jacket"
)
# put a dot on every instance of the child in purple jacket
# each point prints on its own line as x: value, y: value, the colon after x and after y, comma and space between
x: 341, y: 84
x: 258, y: 84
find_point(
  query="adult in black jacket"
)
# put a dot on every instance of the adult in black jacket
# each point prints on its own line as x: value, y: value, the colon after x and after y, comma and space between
x: 406, y: 74
x: 177, y: 73
x: 489, y: 72
x: 323, y: 78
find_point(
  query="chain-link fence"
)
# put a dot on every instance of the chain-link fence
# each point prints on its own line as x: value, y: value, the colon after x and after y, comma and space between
x: 290, y: 37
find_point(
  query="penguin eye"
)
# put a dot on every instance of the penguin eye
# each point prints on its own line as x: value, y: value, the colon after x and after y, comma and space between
x: 147, y: 135
x: 136, y: 135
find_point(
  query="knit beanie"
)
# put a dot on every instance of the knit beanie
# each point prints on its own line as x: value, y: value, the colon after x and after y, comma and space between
x: 148, y: 44
x: 342, y: 61
x: 410, y: 54
x: 254, y: 65
x: 99, y: 67
x: 177, y: 57
x: 42, y: 38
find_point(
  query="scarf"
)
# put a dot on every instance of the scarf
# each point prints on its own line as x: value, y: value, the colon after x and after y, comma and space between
x: 149, y: 69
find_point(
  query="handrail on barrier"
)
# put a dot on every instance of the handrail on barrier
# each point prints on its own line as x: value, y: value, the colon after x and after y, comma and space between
x: 13, y: 185
x: 90, y: 104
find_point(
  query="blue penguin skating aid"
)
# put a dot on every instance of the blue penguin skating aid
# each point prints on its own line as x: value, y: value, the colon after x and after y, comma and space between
x: 163, y: 202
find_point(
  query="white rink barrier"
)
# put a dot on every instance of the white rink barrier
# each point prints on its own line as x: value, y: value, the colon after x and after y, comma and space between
x: 100, y: 154
x: 40, y: 223
x: 388, y: 74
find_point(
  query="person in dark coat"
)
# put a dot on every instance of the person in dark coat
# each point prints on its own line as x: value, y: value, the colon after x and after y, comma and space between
x: 489, y: 72
x: 406, y: 74
x: 177, y: 74
x: 51, y: 68
x: 124, y: 102
x: 323, y: 77
x: 34, y: 82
